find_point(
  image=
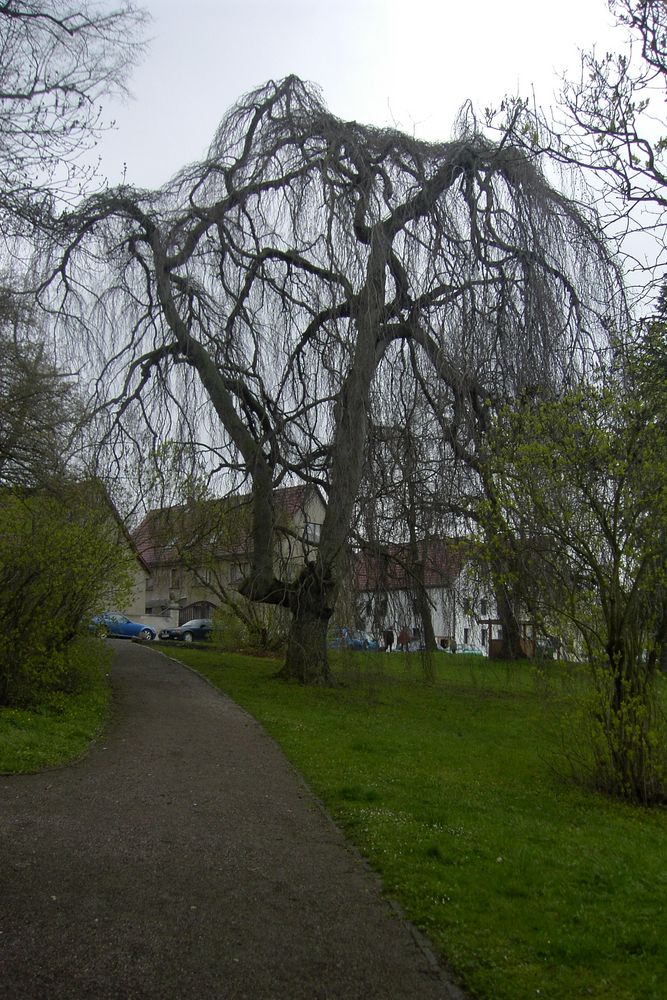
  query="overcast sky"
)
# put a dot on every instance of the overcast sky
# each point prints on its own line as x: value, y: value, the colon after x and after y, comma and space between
x: 407, y: 63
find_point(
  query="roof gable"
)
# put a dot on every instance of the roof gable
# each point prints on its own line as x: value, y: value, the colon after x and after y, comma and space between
x: 156, y: 536
x: 396, y: 566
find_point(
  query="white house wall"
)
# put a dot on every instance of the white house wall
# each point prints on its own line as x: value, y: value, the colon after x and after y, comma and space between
x: 450, y: 618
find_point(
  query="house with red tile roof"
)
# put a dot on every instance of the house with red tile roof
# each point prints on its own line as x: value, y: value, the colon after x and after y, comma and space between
x: 198, y: 553
x: 389, y: 578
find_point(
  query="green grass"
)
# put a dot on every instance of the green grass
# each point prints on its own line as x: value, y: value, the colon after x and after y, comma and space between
x: 529, y: 886
x: 58, y: 727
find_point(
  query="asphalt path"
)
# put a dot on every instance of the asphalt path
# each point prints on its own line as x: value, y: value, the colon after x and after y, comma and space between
x: 184, y: 858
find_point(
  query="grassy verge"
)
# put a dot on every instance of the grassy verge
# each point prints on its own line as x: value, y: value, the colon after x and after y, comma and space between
x: 58, y: 728
x: 529, y: 886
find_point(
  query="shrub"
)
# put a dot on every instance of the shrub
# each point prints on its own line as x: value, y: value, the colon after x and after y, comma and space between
x: 60, y: 558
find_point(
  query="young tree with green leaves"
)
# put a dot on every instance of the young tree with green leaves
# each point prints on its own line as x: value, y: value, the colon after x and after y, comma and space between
x: 584, y: 479
x: 62, y: 559
x: 62, y: 555
x: 38, y: 405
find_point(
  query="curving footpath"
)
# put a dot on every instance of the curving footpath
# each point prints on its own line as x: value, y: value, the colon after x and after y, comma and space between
x: 184, y: 859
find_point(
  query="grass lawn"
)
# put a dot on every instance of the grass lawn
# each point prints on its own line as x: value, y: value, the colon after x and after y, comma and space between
x: 529, y: 886
x: 58, y: 728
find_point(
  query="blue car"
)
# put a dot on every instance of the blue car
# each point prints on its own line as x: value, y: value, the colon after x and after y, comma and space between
x: 351, y: 638
x: 113, y: 623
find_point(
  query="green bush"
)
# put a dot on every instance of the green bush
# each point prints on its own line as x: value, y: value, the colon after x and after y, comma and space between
x: 60, y: 559
x: 58, y: 727
x: 246, y: 625
x: 629, y: 739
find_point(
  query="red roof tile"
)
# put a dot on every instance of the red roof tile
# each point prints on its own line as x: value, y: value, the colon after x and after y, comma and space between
x: 393, y: 566
x: 153, y: 537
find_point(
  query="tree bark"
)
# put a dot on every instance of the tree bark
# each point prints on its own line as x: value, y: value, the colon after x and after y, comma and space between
x: 307, y: 661
x: 311, y: 602
x: 511, y: 642
x: 424, y: 607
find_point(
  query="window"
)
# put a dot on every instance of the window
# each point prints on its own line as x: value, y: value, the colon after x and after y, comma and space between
x: 483, y: 607
x: 237, y: 574
x: 466, y: 636
x: 201, y: 609
x: 484, y: 634
x: 167, y: 546
x: 311, y: 532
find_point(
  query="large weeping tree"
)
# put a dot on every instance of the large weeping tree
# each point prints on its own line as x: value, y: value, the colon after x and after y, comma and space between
x: 254, y: 303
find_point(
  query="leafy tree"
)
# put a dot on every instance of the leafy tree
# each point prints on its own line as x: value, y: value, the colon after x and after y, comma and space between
x: 57, y: 558
x: 61, y: 559
x: 584, y: 479
x: 61, y: 556
x: 610, y: 124
x: 253, y: 302
x: 38, y: 405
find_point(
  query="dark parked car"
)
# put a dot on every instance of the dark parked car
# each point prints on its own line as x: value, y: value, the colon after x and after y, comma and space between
x: 113, y: 623
x: 351, y: 638
x: 197, y: 628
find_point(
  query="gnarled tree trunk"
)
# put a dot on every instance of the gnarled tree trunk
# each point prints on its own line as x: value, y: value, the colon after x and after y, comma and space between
x: 511, y: 641
x: 307, y: 660
x: 311, y: 603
